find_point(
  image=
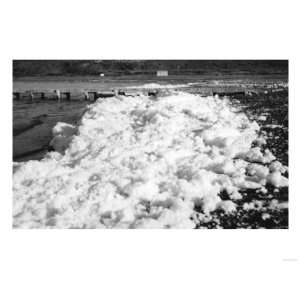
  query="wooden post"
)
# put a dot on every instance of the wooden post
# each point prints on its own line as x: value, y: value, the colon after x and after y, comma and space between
x: 68, y: 96
x: 95, y: 95
x: 121, y: 93
x: 86, y: 96
x: 31, y: 95
x: 153, y: 93
x: 57, y: 93
x: 17, y: 95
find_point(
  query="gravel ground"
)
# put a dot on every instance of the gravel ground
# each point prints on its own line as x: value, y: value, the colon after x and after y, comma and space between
x: 256, y: 209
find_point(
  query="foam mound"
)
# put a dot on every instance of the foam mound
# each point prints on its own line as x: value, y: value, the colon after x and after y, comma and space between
x: 139, y: 163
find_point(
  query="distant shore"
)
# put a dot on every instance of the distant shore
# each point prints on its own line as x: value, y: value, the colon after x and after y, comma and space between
x: 108, y: 82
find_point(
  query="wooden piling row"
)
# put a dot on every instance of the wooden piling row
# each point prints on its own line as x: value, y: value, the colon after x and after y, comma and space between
x: 55, y: 95
x: 88, y: 95
x: 94, y: 95
x: 67, y: 95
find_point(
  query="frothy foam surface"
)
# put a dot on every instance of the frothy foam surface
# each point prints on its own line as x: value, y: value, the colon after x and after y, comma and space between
x: 139, y: 163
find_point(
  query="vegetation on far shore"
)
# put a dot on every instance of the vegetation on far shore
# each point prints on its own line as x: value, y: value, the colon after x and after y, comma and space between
x: 23, y: 68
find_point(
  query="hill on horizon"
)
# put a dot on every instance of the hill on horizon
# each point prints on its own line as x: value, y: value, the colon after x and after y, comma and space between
x: 135, y: 67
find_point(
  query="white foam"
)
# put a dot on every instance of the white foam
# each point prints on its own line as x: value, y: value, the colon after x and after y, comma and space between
x: 62, y: 136
x: 138, y: 163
